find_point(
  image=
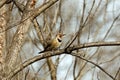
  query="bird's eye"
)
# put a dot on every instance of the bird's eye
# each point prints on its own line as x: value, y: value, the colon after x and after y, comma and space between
x: 60, y: 36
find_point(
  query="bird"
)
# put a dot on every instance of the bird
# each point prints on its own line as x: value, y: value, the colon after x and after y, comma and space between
x: 54, y: 44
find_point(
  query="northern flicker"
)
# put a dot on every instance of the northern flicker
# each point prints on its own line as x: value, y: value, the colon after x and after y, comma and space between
x: 54, y: 43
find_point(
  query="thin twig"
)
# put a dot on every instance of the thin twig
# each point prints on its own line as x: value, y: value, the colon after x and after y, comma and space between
x: 118, y: 72
x: 94, y: 64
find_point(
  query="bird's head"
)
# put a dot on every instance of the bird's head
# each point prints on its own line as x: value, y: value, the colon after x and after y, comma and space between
x: 60, y: 35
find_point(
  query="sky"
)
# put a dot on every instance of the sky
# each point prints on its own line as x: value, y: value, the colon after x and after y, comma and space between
x: 113, y: 10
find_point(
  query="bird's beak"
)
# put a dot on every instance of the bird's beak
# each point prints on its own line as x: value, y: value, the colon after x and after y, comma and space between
x: 63, y: 34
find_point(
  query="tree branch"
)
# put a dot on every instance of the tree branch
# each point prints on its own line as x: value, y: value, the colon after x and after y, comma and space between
x: 63, y: 51
x: 76, y: 55
x: 2, y: 2
x: 42, y: 8
x: 19, y: 36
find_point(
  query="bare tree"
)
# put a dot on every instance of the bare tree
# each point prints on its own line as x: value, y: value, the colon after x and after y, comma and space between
x: 90, y: 49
